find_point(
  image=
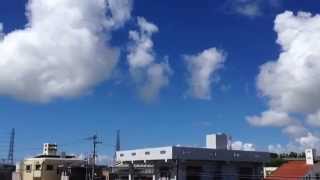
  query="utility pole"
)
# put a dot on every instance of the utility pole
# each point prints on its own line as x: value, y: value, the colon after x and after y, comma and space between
x: 11, y: 147
x: 94, y: 142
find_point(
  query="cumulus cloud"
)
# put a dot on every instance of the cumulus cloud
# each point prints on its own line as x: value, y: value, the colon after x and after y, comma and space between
x: 62, y: 51
x: 149, y: 75
x: 291, y: 82
x: 202, y: 68
x: 239, y: 145
x: 270, y: 118
x: 120, y: 11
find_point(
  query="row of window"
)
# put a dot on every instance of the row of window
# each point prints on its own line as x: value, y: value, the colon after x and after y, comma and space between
x: 146, y: 153
x: 38, y: 167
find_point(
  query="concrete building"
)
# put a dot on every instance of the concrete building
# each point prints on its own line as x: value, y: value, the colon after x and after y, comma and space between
x: 180, y: 163
x: 47, y: 166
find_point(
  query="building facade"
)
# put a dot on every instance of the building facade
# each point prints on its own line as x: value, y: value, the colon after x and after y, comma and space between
x: 47, y: 166
x: 189, y: 163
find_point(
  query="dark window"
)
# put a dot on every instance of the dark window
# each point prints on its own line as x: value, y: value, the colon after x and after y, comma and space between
x: 162, y: 152
x: 28, y: 168
x: 147, y: 153
x: 38, y: 167
x: 133, y: 154
x: 49, y: 167
x: 121, y: 155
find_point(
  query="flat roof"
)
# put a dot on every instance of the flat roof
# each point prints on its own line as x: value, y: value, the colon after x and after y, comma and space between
x: 191, y: 153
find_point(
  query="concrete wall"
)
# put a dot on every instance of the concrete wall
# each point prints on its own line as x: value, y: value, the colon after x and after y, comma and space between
x: 43, y: 171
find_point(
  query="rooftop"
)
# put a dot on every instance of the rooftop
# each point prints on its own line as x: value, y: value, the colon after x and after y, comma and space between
x: 191, y: 153
x: 291, y: 170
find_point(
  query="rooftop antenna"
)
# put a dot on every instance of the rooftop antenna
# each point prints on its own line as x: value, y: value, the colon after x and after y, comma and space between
x: 11, y: 147
x: 95, y: 141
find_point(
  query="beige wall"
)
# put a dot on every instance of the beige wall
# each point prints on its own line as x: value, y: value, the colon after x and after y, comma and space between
x: 39, y: 168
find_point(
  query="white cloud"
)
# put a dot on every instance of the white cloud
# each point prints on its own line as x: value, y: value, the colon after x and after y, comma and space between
x: 277, y: 148
x: 314, y: 119
x: 61, y: 53
x: 202, y: 68
x: 309, y: 141
x: 149, y: 75
x: 120, y: 11
x: 239, y: 145
x: 270, y: 118
x: 1, y: 31
x: 249, y: 9
x: 291, y: 82
x: 295, y: 130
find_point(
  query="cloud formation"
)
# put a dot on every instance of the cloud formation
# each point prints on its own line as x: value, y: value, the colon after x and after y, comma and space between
x: 149, y: 75
x: 251, y: 8
x: 239, y: 145
x: 202, y: 70
x: 291, y: 83
x: 270, y: 118
x: 62, y: 51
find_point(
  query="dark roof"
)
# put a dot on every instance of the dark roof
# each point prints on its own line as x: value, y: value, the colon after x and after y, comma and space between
x: 291, y: 170
x: 52, y: 156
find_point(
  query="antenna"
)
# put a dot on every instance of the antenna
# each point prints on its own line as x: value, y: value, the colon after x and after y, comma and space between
x: 95, y: 141
x: 11, y: 147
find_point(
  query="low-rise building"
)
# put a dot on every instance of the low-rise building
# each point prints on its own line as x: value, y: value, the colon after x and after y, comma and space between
x: 47, y: 166
x: 308, y: 169
x: 180, y: 163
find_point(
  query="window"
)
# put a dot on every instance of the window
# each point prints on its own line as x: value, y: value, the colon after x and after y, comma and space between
x: 28, y: 168
x: 121, y: 155
x: 236, y: 155
x: 38, y: 167
x: 133, y: 154
x: 49, y: 167
x: 147, y: 153
x: 163, y: 152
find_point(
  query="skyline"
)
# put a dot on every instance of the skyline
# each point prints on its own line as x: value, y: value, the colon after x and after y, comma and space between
x: 164, y: 73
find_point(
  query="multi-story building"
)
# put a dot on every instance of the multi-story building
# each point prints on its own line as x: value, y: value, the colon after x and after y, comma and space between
x: 216, y: 161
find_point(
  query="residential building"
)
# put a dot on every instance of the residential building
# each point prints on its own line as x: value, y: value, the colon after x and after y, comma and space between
x: 47, y: 166
x: 181, y: 163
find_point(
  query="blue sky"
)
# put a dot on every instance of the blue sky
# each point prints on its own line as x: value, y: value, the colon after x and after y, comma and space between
x: 185, y: 28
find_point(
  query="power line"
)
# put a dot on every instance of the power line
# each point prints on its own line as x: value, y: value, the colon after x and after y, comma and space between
x: 95, y: 142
